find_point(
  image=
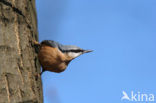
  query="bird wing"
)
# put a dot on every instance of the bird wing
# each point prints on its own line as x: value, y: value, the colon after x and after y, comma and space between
x: 50, y: 43
x: 54, y: 44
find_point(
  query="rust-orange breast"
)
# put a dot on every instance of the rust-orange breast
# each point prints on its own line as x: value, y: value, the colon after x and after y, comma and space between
x: 52, y: 59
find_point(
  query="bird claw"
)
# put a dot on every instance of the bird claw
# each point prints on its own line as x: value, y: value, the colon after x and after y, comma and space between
x: 35, y: 42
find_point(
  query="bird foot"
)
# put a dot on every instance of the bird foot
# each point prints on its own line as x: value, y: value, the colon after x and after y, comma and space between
x: 35, y: 42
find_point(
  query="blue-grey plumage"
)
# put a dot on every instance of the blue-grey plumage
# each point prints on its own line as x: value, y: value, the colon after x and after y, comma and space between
x: 55, y: 57
x: 60, y: 46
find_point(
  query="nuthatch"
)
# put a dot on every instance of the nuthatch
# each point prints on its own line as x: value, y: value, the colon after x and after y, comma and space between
x: 55, y: 57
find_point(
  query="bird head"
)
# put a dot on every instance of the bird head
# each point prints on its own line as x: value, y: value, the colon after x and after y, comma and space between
x: 73, y: 51
x: 70, y: 51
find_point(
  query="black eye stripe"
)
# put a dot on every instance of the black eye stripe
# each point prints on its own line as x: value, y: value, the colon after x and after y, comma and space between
x: 76, y: 51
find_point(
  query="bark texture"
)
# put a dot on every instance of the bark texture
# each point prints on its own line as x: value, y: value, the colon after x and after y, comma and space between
x: 18, y: 60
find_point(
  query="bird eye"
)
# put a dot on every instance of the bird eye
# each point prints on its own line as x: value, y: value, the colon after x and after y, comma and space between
x: 65, y: 51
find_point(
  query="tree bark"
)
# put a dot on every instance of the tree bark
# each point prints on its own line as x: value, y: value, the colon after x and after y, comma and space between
x: 18, y: 60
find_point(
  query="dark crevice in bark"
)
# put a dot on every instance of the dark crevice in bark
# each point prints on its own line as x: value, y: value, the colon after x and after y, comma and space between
x: 14, y: 8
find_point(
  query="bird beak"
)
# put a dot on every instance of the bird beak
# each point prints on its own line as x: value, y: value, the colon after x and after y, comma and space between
x: 87, y: 51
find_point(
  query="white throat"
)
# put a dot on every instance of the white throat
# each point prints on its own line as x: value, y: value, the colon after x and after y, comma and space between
x: 74, y: 55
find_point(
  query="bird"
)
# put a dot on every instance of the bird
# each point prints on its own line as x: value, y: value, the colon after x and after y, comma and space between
x: 55, y: 57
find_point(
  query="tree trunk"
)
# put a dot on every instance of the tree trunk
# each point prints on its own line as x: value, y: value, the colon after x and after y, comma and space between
x: 18, y: 60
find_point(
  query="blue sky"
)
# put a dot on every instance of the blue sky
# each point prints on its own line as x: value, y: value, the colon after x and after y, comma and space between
x: 122, y: 34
